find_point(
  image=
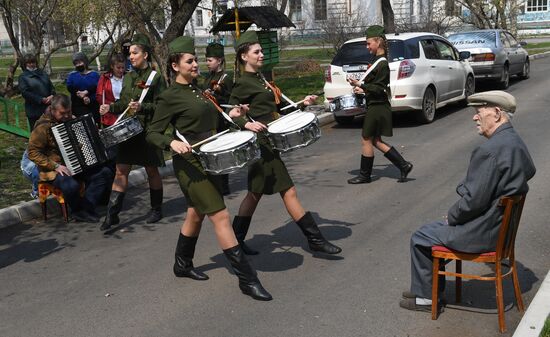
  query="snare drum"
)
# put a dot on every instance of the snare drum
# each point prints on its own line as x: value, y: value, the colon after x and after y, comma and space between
x: 123, y: 130
x: 348, y: 102
x: 229, y: 152
x: 294, y: 131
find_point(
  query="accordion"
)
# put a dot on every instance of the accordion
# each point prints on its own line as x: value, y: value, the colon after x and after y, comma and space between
x: 79, y: 143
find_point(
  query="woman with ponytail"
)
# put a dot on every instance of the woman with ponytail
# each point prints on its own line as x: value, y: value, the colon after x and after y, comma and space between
x: 269, y: 174
x: 378, y: 119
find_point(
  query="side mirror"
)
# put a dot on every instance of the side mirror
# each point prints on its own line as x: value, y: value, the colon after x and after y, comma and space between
x: 464, y: 55
x: 522, y: 43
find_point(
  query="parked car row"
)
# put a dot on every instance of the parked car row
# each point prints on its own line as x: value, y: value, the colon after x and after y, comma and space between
x: 427, y: 71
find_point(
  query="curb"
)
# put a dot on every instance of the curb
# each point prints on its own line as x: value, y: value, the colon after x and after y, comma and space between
x: 29, y: 210
x: 533, y: 320
x: 539, y: 56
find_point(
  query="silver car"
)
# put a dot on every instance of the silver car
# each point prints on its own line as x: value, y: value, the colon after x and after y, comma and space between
x: 426, y: 73
x: 495, y: 55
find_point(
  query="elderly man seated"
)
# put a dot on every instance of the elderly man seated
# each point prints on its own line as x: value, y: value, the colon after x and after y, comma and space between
x: 501, y: 166
x: 44, y: 151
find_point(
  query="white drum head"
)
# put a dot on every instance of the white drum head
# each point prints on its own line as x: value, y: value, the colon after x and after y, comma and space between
x: 227, y: 141
x: 291, y: 123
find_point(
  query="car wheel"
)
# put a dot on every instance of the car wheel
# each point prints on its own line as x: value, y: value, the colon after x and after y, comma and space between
x: 344, y: 120
x: 427, y: 114
x: 526, y: 70
x: 469, y: 88
x: 504, y: 78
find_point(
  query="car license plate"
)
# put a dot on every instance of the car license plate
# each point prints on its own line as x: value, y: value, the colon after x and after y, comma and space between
x: 355, y: 76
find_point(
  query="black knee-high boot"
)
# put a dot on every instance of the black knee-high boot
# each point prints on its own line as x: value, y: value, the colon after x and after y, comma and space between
x: 364, y: 172
x: 156, y: 206
x: 240, y: 227
x: 185, y: 251
x: 225, y: 184
x: 248, y: 279
x: 404, y: 166
x: 314, y: 237
x: 114, y: 207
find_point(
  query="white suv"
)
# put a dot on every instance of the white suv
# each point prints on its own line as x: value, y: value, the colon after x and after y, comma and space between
x: 426, y: 73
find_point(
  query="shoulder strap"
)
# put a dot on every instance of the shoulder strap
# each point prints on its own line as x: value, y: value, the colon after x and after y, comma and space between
x: 147, y: 84
x: 371, y: 68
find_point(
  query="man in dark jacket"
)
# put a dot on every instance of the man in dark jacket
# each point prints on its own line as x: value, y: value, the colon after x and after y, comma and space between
x: 499, y: 167
x: 44, y: 151
x: 36, y: 88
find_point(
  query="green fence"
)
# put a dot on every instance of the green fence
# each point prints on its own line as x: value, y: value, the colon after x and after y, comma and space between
x: 13, y: 118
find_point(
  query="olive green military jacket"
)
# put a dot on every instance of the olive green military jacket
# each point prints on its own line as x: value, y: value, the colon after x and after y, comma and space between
x: 43, y: 149
x: 190, y: 112
x: 250, y: 88
x: 376, y: 84
x: 132, y: 86
x: 226, y: 85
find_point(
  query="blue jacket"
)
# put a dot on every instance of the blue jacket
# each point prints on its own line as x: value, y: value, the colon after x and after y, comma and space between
x: 34, y: 86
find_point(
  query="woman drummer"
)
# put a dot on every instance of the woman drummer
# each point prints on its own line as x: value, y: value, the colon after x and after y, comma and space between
x: 218, y: 83
x: 269, y: 174
x: 136, y: 150
x: 378, y: 119
x: 195, y: 116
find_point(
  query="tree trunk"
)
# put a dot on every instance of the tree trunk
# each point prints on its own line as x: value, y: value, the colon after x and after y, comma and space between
x: 7, y: 17
x: 388, y: 17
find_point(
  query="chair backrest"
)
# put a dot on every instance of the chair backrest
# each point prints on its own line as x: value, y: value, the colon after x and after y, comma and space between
x: 513, y: 206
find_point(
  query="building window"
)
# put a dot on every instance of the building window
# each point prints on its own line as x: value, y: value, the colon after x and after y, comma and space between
x: 320, y: 7
x: 200, y: 23
x: 296, y: 10
x: 536, y: 6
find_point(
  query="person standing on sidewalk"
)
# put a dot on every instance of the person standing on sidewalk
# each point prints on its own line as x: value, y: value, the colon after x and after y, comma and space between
x: 195, y: 115
x: 378, y: 118
x: 136, y: 150
x: 36, y: 88
x: 268, y: 175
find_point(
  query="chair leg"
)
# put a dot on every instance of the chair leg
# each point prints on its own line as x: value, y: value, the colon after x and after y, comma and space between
x: 517, y: 289
x: 64, y: 211
x: 44, y: 211
x: 500, y: 298
x: 458, y: 282
x: 435, y: 287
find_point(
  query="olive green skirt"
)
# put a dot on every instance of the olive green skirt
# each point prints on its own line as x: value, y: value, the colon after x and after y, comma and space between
x: 202, y: 191
x: 378, y: 121
x: 269, y: 174
x: 137, y: 151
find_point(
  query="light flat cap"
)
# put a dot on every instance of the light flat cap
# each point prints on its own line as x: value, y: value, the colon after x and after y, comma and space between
x: 250, y: 36
x: 214, y: 50
x: 375, y: 31
x: 499, y: 98
x: 182, y: 44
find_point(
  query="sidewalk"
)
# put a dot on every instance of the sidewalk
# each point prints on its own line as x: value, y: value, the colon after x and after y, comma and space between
x: 29, y: 210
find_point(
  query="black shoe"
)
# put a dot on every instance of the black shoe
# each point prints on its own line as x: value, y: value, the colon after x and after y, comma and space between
x: 360, y: 179
x: 365, y: 171
x: 84, y: 216
x: 114, y: 207
x: 155, y: 214
x: 314, y: 237
x: 408, y: 294
x: 248, y: 280
x: 183, y: 265
x: 404, y: 166
x: 240, y: 227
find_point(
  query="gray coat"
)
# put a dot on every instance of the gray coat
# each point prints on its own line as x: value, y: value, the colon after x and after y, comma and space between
x: 34, y: 86
x: 500, y: 167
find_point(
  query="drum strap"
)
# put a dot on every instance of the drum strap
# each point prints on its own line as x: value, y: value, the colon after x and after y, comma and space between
x: 212, y: 99
x: 276, y: 91
x: 147, y: 85
x: 371, y: 68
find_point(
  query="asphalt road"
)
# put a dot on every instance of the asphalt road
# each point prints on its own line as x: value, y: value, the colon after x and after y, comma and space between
x: 70, y: 280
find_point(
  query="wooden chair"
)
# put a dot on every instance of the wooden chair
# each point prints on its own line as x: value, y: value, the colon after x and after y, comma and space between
x: 46, y: 189
x: 513, y: 206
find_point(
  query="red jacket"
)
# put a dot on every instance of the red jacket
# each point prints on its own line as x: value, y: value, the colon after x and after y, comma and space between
x: 104, y: 87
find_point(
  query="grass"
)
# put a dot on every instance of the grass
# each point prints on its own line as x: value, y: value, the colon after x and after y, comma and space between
x: 546, y: 329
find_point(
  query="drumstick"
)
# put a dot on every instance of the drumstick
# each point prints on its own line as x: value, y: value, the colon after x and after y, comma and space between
x: 285, y: 116
x: 102, y: 103
x: 302, y: 101
x: 210, y: 138
x: 229, y: 106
